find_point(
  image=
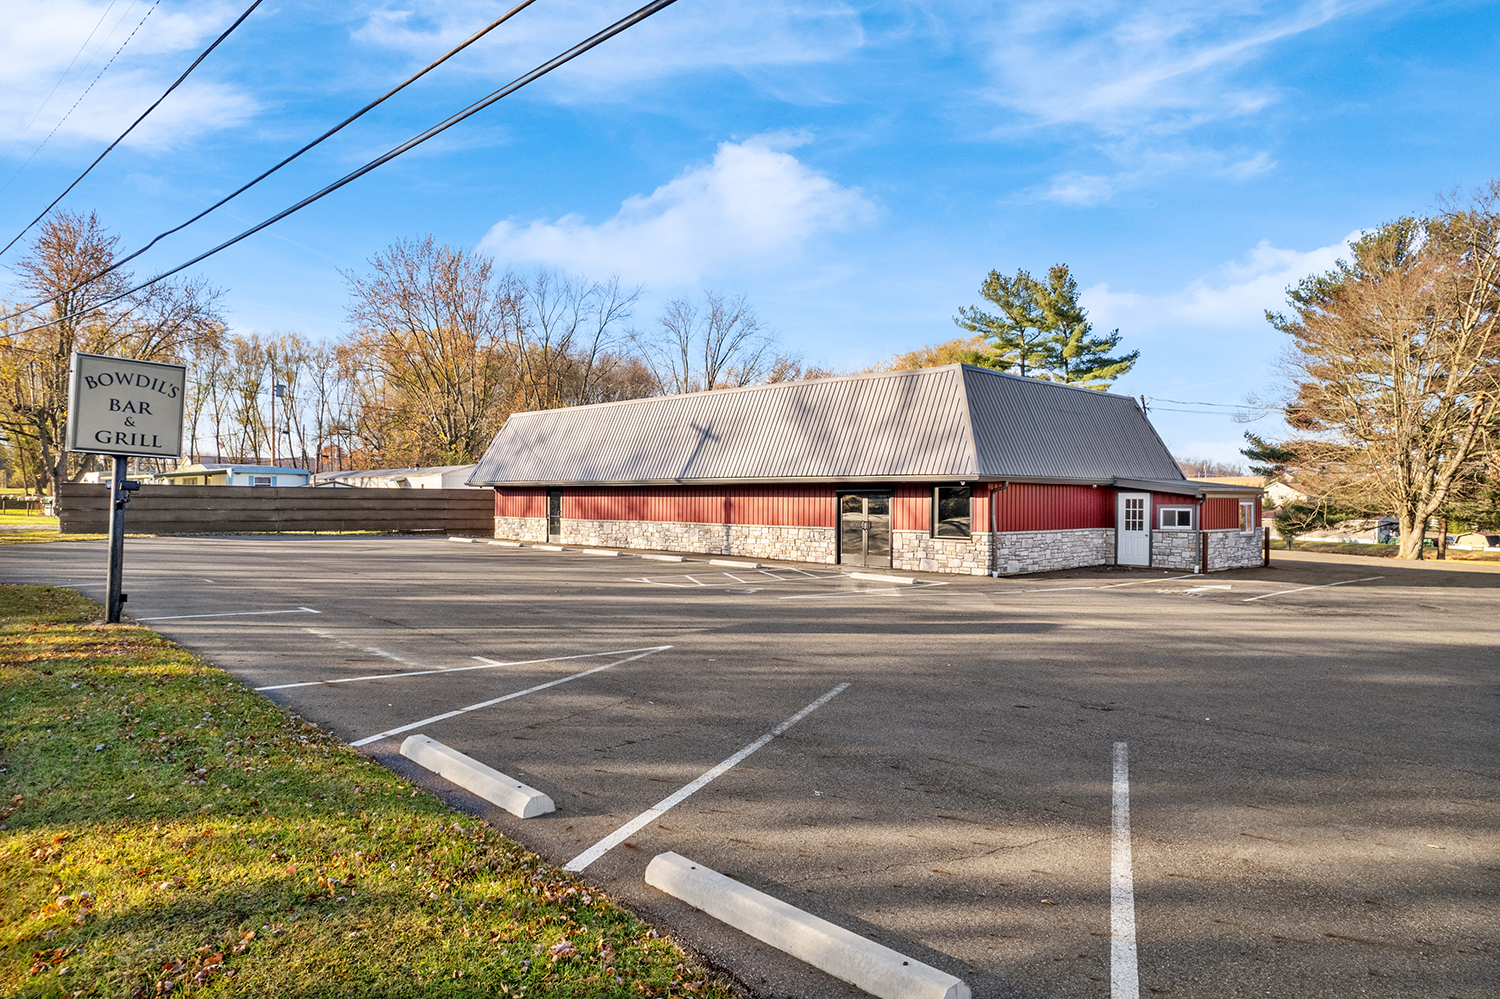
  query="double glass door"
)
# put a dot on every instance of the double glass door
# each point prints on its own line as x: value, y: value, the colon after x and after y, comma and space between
x: 865, y: 529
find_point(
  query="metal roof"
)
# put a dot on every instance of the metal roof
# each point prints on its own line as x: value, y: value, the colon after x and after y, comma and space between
x: 952, y: 422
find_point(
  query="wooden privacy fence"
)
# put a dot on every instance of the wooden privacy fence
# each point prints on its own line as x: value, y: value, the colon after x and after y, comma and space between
x: 84, y: 509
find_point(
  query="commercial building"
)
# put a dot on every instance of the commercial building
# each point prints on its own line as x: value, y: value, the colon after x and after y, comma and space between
x: 950, y: 469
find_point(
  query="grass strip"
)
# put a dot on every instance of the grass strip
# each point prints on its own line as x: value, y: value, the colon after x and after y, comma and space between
x: 30, y: 536
x: 166, y: 831
x: 1387, y: 551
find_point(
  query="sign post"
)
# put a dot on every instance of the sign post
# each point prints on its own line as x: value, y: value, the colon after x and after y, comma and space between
x: 124, y: 408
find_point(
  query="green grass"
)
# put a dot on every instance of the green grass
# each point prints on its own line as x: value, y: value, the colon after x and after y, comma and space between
x: 164, y: 830
x: 1383, y: 551
x: 17, y: 518
x: 33, y: 537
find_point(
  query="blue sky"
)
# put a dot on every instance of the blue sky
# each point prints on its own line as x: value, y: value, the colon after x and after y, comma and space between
x: 854, y: 169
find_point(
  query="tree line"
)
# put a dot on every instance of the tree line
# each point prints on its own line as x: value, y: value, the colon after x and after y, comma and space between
x: 439, y: 348
x: 1391, y: 377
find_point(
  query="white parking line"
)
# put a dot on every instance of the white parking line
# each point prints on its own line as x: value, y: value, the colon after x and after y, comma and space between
x: 1124, y: 973
x: 488, y: 664
x: 903, y: 590
x: 492, y: 701
x: 1319, y: 586
x: 186, y: 617
x: 1111, y: 586
x: 657, y: 810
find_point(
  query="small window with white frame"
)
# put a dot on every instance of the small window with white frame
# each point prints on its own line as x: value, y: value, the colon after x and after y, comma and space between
x: 1247, y: 517
x: 260, y: 480
x: 1175, y: 518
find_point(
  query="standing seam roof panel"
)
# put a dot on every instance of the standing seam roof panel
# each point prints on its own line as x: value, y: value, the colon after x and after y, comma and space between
x: 953, y: 422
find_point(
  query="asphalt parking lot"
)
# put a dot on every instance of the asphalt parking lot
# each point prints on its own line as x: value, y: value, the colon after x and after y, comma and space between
x: 1309, y: 750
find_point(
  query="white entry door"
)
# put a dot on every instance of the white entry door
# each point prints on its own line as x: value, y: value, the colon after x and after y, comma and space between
x: 1133, y: 529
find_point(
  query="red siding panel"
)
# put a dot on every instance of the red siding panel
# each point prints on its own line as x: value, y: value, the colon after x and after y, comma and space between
x: 1220, y: 513
x: 1032, y: 506
x: 911, y: 507
x: 776, y: 505
x: 520, y: 502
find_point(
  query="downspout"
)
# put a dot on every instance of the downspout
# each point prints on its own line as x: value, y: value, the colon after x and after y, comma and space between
x: 1202, y: 538
x: 994, y: 528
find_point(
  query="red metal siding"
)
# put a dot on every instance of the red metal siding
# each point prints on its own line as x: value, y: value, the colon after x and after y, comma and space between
x: 911, y: 508
x: 776, y: 505
x: 1221, y: 513
x: 511, y: 502
x: 1032, y: 506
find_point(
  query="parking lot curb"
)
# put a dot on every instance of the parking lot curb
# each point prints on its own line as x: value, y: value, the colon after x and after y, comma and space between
x: 471, y: 775
x: 665, y: 558
x: 550, y: 548
x: 848, y: 956
x: 904, y: 580
x: 600, y: 551
x: 737, y: 565
x: 508, y: 544
x: 465, y: 541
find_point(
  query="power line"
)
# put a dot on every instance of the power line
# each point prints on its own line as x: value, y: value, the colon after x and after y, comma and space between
x: 81, y: 96
x: 242, y: 189
x: 64, y: 76
x: 201, y: 56
x: 558, y: 60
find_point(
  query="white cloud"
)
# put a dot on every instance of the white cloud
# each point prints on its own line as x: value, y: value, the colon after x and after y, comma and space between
x: 1235, y: 296
x: 753, y: 206
x: 737, y: 35
x: 1121, y: 67
x: 40, y: 38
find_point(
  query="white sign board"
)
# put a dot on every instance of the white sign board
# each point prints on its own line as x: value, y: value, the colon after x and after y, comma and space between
x: 120, y: 406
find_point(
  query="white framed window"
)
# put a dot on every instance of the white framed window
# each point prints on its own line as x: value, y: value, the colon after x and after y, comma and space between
x: 1247, y: 517
x: 260, y: 480
x: 1175, y: 518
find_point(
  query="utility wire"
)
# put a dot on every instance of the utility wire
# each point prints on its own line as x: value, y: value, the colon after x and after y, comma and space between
x: 558, y: 60
x: 65, y: 72
x: 241, y: 190
x: 79, y: 101
x: 175, y: 84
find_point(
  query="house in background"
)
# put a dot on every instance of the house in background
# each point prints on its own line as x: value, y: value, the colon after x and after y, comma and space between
x: 430, y: 477
x: 951, y: 469
x: 230, y: 475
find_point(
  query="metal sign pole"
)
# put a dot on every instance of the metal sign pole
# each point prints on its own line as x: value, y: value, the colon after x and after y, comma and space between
x: 117, y: 499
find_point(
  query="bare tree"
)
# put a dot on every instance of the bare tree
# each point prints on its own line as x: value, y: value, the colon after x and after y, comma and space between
x: 163, y: 322
x: 562, y: 334
x: 1394, y: 372
x: 430, y: 322
x: 719, y: 344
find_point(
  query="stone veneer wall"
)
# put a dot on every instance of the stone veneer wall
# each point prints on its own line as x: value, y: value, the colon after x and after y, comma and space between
x: 1228, y: 549
x: 792, y: 544
x: 913, y: 551
x: 918, y: 551
x: 1047, y: 551
x: 1015, y: 551
x: 521, y: 528
x: 1233, y: 550
x: 1175, y: 550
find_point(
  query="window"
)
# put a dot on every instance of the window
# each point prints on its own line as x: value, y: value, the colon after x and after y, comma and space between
x: 1176, y: 518
x: 1135, y: 513
x: 1247, y: 518
x: 952, y: 511
x: 260, y: 480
